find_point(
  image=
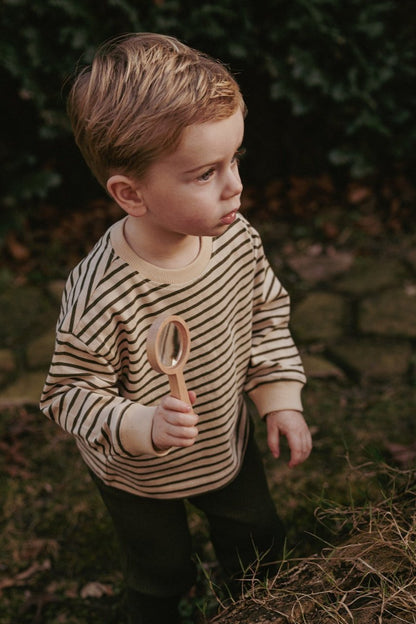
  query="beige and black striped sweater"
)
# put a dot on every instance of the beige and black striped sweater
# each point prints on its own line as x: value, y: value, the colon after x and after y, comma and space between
x: 102, y: 390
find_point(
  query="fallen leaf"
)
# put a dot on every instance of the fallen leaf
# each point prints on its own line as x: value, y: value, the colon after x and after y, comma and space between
x: 357, y: 194
x: 95, y: 589
x: 16, y: 249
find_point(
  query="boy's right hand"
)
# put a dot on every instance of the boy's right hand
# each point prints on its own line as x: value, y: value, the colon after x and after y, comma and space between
x: 174, y: 423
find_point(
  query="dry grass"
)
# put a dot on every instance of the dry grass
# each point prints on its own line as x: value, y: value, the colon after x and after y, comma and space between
x: 368, y: 578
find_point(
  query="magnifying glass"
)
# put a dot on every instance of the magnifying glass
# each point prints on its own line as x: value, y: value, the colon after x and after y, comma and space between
x: 168, y: 346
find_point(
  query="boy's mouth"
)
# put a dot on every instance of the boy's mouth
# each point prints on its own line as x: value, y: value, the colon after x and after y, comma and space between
x: 229, y: 218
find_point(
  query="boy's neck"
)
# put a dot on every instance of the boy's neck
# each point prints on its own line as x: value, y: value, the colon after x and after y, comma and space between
x: 172, y: 251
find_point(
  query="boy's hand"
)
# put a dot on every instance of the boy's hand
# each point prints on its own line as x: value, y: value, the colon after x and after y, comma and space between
x: 174, y: 423
x: 291, y: 424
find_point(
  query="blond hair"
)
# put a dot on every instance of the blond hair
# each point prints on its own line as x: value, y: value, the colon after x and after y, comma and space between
x: 141, y: 91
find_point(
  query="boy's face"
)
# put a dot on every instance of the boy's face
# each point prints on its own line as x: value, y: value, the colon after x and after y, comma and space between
x: 196, y: 189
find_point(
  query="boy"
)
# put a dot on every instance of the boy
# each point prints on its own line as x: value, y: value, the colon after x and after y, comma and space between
x: 161, y: 125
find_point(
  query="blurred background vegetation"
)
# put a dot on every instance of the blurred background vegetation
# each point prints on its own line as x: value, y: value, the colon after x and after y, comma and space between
x: 329, y: 86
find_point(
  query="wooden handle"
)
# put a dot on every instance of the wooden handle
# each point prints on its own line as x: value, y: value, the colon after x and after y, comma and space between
x: 178, y: 386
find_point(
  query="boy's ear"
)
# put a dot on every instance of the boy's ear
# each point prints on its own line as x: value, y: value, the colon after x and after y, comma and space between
x: 126, y: 192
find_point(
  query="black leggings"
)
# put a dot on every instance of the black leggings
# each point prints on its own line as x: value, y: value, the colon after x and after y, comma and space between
x: 156, y: 545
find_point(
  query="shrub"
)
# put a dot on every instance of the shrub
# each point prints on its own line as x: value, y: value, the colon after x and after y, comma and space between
x: 327, y: 83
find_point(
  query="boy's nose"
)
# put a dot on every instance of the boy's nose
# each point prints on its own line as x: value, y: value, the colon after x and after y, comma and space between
x: 234, y: 185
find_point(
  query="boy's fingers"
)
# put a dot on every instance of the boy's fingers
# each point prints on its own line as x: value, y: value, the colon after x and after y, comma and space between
x: 171, y: 403
x: 182, y: 442
x: 181, y: 436
x: 171, y: 435
x: 300, y: 449
x: 273, y: 441
x: 186, y: 432
x: 178, y: 419
x: 296, y: 458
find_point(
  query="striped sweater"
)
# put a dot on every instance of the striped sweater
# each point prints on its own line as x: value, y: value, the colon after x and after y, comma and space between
x: 102, y: 390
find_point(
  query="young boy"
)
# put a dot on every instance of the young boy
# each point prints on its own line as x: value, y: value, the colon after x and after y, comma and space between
x: 161, y: 125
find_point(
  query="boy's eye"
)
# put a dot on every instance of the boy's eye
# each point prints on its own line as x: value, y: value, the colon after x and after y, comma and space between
x: 207, y: 175
x: 239, y: 154
x: 204, y: 177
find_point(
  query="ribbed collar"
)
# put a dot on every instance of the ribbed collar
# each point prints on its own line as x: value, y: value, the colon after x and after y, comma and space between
x: 155, y: 273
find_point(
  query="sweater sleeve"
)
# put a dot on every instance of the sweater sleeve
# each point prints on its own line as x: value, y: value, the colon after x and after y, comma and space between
x: 81, y: 395
x: 275, y: 376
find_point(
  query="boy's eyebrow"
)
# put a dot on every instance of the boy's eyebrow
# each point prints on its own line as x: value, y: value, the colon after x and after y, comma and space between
x: 211, y: 164
x: 204, y: 166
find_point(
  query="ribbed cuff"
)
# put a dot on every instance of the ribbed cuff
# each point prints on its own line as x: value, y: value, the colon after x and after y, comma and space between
x: 277, y: 396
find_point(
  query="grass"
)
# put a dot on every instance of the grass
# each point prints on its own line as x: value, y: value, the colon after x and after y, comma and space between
x: 59, y: 557
x: 368, y: 578
x: 55, y: 537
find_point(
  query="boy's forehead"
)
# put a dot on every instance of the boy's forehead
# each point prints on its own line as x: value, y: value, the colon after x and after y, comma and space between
x: 211, y: 138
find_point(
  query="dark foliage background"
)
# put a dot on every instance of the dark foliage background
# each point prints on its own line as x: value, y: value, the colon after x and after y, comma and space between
x: 327, y: 83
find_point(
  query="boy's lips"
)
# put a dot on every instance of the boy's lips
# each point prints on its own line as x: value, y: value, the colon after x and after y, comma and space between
x: 230, y: 217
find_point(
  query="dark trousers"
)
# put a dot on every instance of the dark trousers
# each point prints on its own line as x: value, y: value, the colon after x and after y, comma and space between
x: 156, y: 545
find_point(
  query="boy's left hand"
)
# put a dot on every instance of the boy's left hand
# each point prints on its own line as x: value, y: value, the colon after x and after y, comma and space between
x: 291, y: 424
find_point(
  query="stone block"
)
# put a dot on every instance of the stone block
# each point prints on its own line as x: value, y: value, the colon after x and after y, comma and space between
x: 39, y: 351
x: 369, y: 275
x: 373, y: 360
x: 7, y: 364
x: 26, y: 390
x: 390, y: 313
x: 24, y: 313
x: 321, y: 268
x: 55, y: 289
x: 318, y: 367
x: 319, y: 317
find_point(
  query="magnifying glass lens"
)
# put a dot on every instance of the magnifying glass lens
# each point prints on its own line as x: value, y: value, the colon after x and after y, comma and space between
x: 169, y: 347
